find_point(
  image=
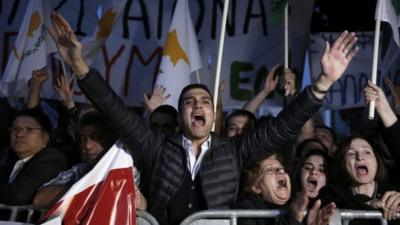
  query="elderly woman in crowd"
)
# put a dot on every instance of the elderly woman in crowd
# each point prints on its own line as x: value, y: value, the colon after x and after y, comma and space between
x: 29, y: 162
x: 268, y: 186
x: 362, y: 182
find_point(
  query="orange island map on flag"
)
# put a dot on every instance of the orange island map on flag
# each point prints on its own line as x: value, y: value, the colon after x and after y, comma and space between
x: 181, y: 54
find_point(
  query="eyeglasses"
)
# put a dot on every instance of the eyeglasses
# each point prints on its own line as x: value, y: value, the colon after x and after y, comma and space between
x: 273, y: 170
x: 25, y: 130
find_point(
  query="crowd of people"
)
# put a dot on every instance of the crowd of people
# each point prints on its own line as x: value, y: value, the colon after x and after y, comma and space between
x: 287, y: 162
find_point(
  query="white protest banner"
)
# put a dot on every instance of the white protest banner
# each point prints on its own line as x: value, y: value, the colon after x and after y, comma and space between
x: 130, y: 59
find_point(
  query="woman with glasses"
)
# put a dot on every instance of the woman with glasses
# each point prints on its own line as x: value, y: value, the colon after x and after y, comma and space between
x: 29, y: 162
x: 267, y: 186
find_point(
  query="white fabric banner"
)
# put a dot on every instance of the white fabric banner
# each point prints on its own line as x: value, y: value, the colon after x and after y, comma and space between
x: 387, y: 10
x: 30, y: 50
x: 254, y: 44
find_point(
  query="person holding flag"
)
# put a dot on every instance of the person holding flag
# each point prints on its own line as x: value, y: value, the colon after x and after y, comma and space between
x: 100, y: 190
x: 195, y: 169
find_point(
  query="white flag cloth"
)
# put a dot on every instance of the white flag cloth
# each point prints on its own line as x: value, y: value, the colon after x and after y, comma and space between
x: 180, y: 55
x: 388, y: 11
x: 30, y: 52
x: 92, y: 45
x: 105, y: 195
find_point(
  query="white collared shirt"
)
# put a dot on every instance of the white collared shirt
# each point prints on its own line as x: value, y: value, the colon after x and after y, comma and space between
x: 193, y: 164
x: 17, y: 168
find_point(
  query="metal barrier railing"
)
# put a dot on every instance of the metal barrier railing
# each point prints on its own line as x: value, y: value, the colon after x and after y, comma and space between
x: 31, y: 214
x: 25, y: 214
x: 145, y: 218
x: 347, y: 215
x: 343, y: 216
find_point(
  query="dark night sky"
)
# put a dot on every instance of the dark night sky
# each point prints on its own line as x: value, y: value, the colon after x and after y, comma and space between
x: 339, y: 15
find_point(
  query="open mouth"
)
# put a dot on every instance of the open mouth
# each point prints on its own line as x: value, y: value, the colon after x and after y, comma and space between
x: 362, y: 170
x: 282, y: 183
x: 312, y: 183
x: 198, y: 120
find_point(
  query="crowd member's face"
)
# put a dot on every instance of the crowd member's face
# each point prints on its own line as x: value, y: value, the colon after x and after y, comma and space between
x: 27, y: 137
x: 164, y: 121
x: 237, y: 125
x: 313, y: 176
x: 325, y: 137
x: 360, y: 161
x: 273, y: 183
x: 197, y: 114
x: 91, y: 143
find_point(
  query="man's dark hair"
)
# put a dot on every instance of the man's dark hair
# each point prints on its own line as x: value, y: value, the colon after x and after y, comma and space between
x: 39, y: 116
x: 305, y: 146
x: 170, y: 124
x: 97, y: 120
x: 190, y: 87
x: 165, y: 109
x: 245, y: 113
x: 333, y: 134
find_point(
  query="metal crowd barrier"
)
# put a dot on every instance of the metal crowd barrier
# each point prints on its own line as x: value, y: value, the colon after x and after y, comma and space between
x: 341, y: 217
x: 30, y: 215
x: 145, y: 218
x: 22, y: 214
x: 347, y: 215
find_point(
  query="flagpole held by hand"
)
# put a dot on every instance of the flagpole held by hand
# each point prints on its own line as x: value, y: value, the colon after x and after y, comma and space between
x: 371, y: 109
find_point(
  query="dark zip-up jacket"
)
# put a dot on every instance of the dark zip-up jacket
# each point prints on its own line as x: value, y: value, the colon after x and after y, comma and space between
x: 162, y: 159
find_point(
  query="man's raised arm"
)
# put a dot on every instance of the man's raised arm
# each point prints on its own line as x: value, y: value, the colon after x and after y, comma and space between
x: 271, y: 135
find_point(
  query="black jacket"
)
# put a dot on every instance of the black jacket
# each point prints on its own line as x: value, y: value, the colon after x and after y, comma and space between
x: 41, y: 168
x: 162, y: 159
x: 390, y: 136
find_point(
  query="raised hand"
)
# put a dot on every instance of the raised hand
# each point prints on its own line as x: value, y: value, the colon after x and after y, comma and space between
x: 394, y: 90
x: 290, y: 82
x: 334, y: 62
x: 156, y: 99
x: 270, y: 82
x: 39, y: 76
x: 298, y: 206
x: 221, y: 88
x: 374, y: 93
x: 336, y: 59
x: 320, y: 216
x: 68, y: 45
x: 64, y: 89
